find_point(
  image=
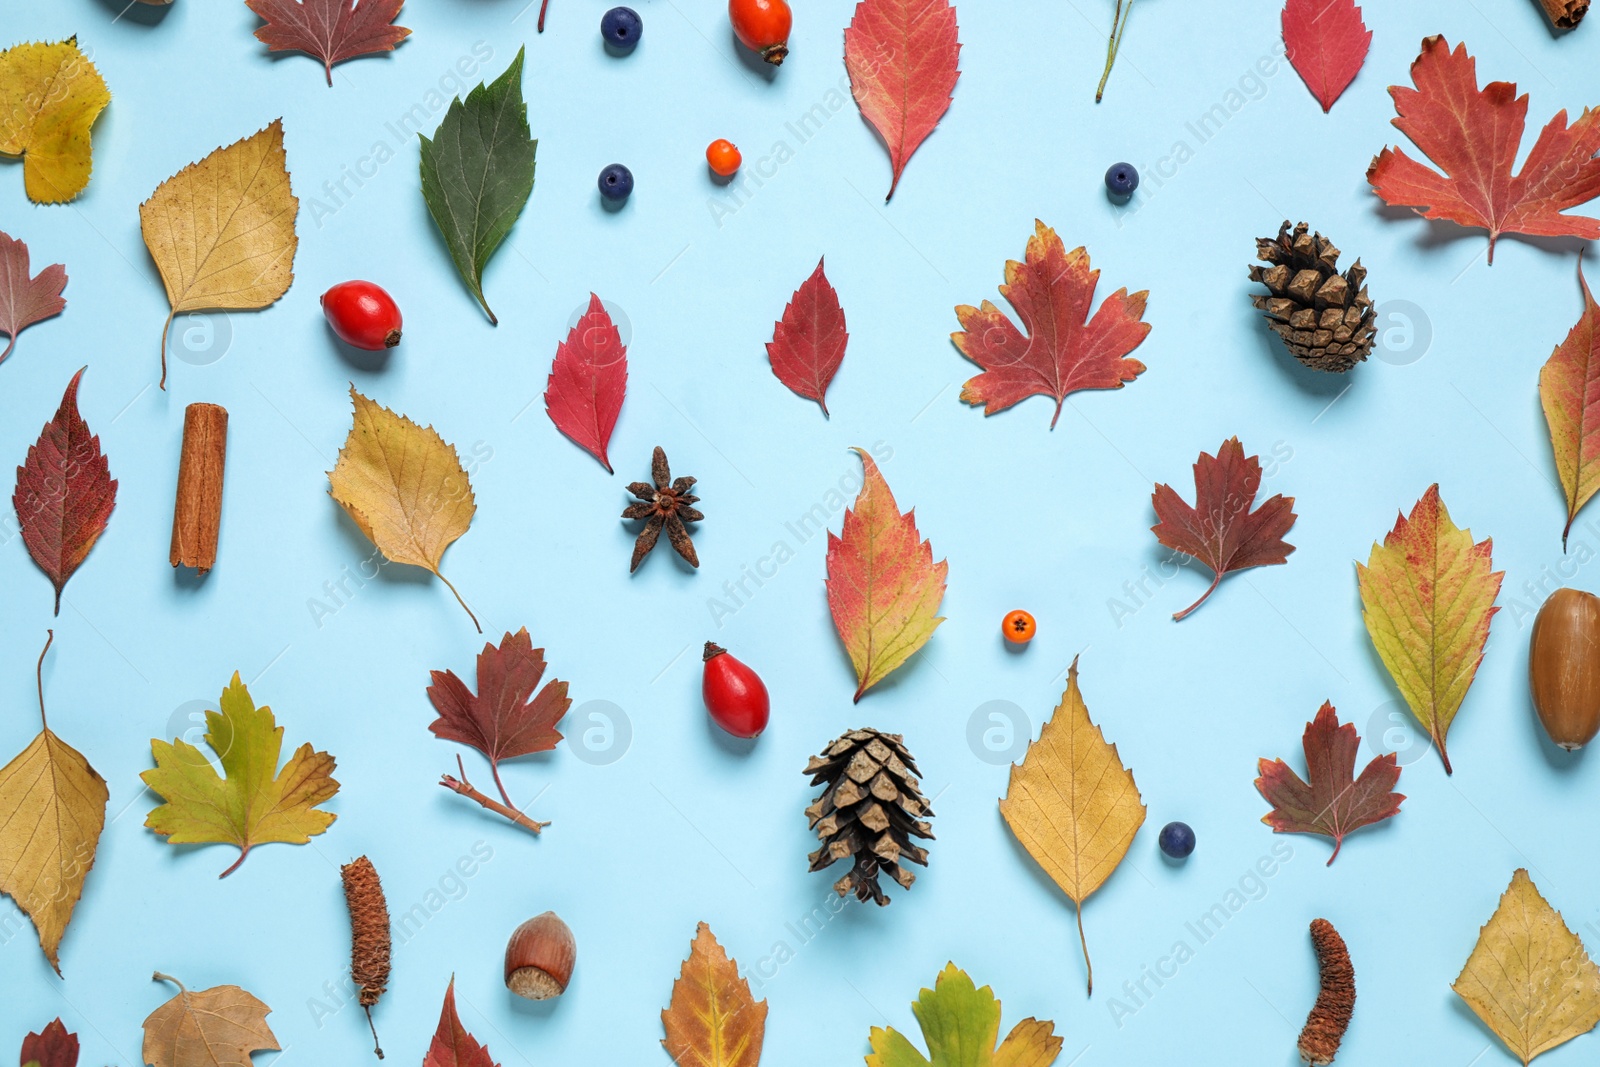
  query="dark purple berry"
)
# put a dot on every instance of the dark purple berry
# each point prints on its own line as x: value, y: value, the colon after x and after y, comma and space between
x: 1176, y: 840
x: 616, y: 182
x: 621, y: 28
x: 1121, y: 180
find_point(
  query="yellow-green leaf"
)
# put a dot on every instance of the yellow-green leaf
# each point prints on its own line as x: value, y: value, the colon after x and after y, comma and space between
x: 712, y: 1020
x: 50, y: 95
x: 883, y: 586
x: 1569, y: 390
x: 1427, y: 595
x: 1528, y: 977
x: 255, y: 803
x: 960, y: 1024
x: 1072, y: 803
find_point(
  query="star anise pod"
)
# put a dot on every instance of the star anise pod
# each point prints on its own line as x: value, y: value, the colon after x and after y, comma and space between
x: 666, y: 505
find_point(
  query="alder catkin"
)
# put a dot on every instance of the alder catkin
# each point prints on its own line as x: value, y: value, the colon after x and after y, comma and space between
x: 369, y: 935
x: 1326, y: 1024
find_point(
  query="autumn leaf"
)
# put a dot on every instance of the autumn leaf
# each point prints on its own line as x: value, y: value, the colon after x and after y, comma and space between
x: 1326, y: 42
x: 807, y: 344
x: 883, y: 586
x: 1473, y: 135
x: 252, y: 802
x: 477, y: 173
x: 1569, y: 389
x: 216, y: 1027
x: 452, y: 1046
x: 331, y: 30
x: 1072, y: 803
x: 50, y: 95
x: 1221, y: 530
x: 24, y: 300
x: 588, y: 380
x: 1427, y: 595
x: 50, y: 1047
x: 960, y: 1025
x: 1064, y: 350
x: 52, y: 809
x: 901, y: 56
x: 404, y: 487
x: 712, y: 1020
x: 1528, y: 977
x: 64, y: 493
x: 1334, y: 801
x: 221, y: 231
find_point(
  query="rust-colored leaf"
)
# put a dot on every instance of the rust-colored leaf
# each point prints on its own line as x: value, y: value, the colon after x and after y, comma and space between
x: 901, y: 56
x: 712, y: 1020
x: 807, y: 344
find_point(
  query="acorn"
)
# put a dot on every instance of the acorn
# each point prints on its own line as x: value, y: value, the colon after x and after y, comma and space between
x: 539, y: 957
x: 1564, y: 667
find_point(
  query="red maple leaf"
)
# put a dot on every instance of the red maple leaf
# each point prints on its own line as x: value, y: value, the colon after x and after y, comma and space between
x: 452, y: 1046
x: 64, y: 492
x: 588, y: 380
x: 1326, y: 43
x: 1220, y: 530
x: 901, y: 56
x: 331, y: 30
x: 1334, y: 802
x: 1473, y: 136
x: 505, y: 718
x: 24, y: 300
x: 808, y: 342
x: 51, y: 1047
x: 1064, y: 350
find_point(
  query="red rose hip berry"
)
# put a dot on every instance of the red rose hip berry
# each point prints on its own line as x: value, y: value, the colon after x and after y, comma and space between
x: 762, y: 26
x: 734, y: 694
x: 362, y: 315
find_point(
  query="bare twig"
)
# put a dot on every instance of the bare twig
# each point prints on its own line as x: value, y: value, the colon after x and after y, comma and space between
x: 466, y: 789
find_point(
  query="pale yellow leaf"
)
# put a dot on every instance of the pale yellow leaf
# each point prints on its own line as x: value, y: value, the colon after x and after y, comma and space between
x: 216, y: 1027
x: 50, y: 95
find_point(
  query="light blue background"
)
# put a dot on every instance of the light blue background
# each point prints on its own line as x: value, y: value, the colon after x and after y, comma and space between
x: 687, y: 826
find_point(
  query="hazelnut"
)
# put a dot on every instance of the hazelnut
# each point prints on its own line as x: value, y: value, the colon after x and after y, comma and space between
x: 539, y: 957
x: 1564, y: 667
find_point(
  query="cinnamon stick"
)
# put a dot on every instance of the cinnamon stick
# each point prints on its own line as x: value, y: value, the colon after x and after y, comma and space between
x: 197, y: 516
x: 1565, y: 14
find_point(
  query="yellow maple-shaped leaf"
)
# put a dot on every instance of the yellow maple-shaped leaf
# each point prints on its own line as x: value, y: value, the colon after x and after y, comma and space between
x: 50, y: 95
x: 405, y: 487
x: 221, y: 231
x: 960, y: 1024
x: 1072, y: 803
x: 251, y: 802
x: 883, y: 586
x: 1427, y: 595
x: 712, y: 1020
x: 1528, y: 977
x: 216, y: 1027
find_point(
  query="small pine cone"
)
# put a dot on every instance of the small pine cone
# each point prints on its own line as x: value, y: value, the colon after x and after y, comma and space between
x: 1325, y: 1026
x: 1325, y: 318
x: 870, y: 810
x: 369, y: 934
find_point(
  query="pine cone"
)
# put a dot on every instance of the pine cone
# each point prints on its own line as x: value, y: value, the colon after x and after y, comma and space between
x: 871, y: 809
x: 1324, y: 317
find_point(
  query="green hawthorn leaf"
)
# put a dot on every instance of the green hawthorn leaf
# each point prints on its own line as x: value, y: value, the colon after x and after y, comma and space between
x: 477, y: 173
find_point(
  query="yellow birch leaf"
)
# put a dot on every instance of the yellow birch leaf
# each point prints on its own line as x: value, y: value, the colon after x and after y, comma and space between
x: 216, y: 1027
x: 1528, y: 977
x: 1427, y: 595
x: 404, y: 487
x: 50, y: 95
x: 883, y: 586
x: 712, y: 1020
x: 1072, y: 803
x: 221, y: 231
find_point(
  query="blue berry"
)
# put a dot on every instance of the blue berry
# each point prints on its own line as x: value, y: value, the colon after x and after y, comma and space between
x: 1121, y: 180
x: 1177, y: 840
x: 621, y: 27
x: 616, y: 182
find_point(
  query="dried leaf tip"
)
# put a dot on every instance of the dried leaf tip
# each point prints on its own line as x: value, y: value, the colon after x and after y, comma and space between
x: 1330, y: 1016
x: 369, y: 936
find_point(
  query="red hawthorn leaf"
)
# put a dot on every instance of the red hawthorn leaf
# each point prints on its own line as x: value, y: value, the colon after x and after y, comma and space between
x: 808, y: 342
x: 51, y: 1047
x: 1334, y: 802
x: 588, y: 380
x: 1473, y: 135
x: 1220, y: 530
x: 1062, y: 352
x: 505, y: 719
x: 23, y: 300
x: 452, y: 1046
x: 331, y: 30
x: 64, y: 493
x: 901, y: 56
x: 1326, y: 42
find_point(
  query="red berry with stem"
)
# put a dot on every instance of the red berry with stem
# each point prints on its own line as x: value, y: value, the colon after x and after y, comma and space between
x: 362, y: 315
x: 734, y: 694
x: 762, y: 26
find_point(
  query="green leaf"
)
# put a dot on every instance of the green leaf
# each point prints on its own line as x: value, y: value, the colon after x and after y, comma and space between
x: 477, y: 173
x: 960, y: 1024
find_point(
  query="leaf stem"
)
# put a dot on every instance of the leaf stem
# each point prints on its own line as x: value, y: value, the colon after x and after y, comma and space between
x: 1085, y: 943
x: 463, y: 603
x: 1216, y: 581
x: 38, y: 674
x: 159, y: 977
x: 542, y: 9
x: 1119, y: 22
x: 376, y: 1047
x: 494, y: 769
x: 164, y: 328
x: 243, y: 852
x: 466, y: 789
x: 9, y: 346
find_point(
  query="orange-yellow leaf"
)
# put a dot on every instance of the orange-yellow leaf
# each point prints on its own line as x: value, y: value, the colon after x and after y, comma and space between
x: 1569, y: 388
x: 712, y: 1020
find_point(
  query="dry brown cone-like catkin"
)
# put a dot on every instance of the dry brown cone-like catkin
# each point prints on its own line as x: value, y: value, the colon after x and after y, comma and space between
x: 1329, y: 1018
x: 369, y: 935
x: 870, y: 810
x: 1324, y: 317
